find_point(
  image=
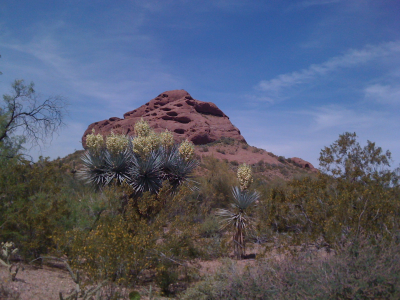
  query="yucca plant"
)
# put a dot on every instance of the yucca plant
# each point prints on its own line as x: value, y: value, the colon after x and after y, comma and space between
x: 102, y: 167
x: 144, y: 162
x: 146, y: 173
x: 94, y: 168
x: 117, y: 166
x: 238, y: 219
x: 177, y: 169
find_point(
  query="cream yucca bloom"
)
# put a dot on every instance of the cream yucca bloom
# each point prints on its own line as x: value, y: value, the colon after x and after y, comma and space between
x: 139, y: 145
x: 245, y: 176
x: 186, y: 149
x: 153, y: 140
x: 142, y: 128
x: 94, y: 141
x: 167, y: 139
x: 116, y: 143
x: 146, y: 139
x: 143, y: 145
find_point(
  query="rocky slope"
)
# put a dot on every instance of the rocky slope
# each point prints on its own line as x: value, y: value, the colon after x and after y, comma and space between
x: 198, y: 121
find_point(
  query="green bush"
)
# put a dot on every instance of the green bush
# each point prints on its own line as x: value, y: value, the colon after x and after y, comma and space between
x: 34, y: 205
x: 333, y: 210
x: 210, y: 227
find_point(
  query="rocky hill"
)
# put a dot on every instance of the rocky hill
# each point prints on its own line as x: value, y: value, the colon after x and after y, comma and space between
x: 205, y: 125
x: 198, y: 121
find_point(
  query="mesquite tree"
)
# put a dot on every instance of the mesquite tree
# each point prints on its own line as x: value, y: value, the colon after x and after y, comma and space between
x: 24, y: 117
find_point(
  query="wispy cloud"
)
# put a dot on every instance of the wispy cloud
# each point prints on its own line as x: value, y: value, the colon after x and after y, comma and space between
x: 351, y: 58
x: 338, y: 117
x: 93, y: 78
x: 385, y: 94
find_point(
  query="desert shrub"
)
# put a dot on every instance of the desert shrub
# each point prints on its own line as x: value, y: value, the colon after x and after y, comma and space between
x: 370, y: 274
x: 311, y: 209
x: 215, y: 185
x: 228, y: 141
x: 284, y: 171
x: 332, y: 211
x: 298, y: 165
x: 219, y: 150
x: 213, y: 247
x: 210, y: 227
x: 151, y: 233
x: 260, y: 166
x: 281, y: 159
x: 167, y: 275
x: 234, y: 163
x: 256, y: 150
x: 245, y: 146
x: 34, y: 204
x: 204, y: 149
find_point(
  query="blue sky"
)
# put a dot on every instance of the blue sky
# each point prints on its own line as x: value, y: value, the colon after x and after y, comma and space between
x: 291, y: 75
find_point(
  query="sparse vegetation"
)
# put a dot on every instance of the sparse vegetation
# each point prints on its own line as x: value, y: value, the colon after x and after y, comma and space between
x: 371, y: 274
x: 219, y: 150
x: 337, y: 230
x: 204, y: 149
x: 281, y: 159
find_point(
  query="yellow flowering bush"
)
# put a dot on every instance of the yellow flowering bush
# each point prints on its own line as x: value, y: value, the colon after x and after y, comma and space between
x: 245, y: 176
x: 116, y: 143
x: 186, y: 149
x: 94, y: 141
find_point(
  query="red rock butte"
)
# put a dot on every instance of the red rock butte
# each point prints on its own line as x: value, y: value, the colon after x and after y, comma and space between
x: 187, y: 118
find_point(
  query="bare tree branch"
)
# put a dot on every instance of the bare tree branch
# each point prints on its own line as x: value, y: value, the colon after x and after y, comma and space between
x: 25, y: 114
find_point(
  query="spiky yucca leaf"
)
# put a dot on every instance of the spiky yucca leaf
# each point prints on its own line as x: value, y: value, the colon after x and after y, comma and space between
x: 95, y: 168
x: 117, y: 165
x: 181, y: 172
x: 169, y: 156
x: 243, y: 199
x: 145, y: 173
x: 176, y: 169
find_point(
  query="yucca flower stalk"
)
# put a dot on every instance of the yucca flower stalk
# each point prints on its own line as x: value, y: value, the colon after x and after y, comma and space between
x: 238, y: 219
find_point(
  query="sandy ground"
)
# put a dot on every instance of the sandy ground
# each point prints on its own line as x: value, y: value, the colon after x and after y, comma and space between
x: 33, y: 283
